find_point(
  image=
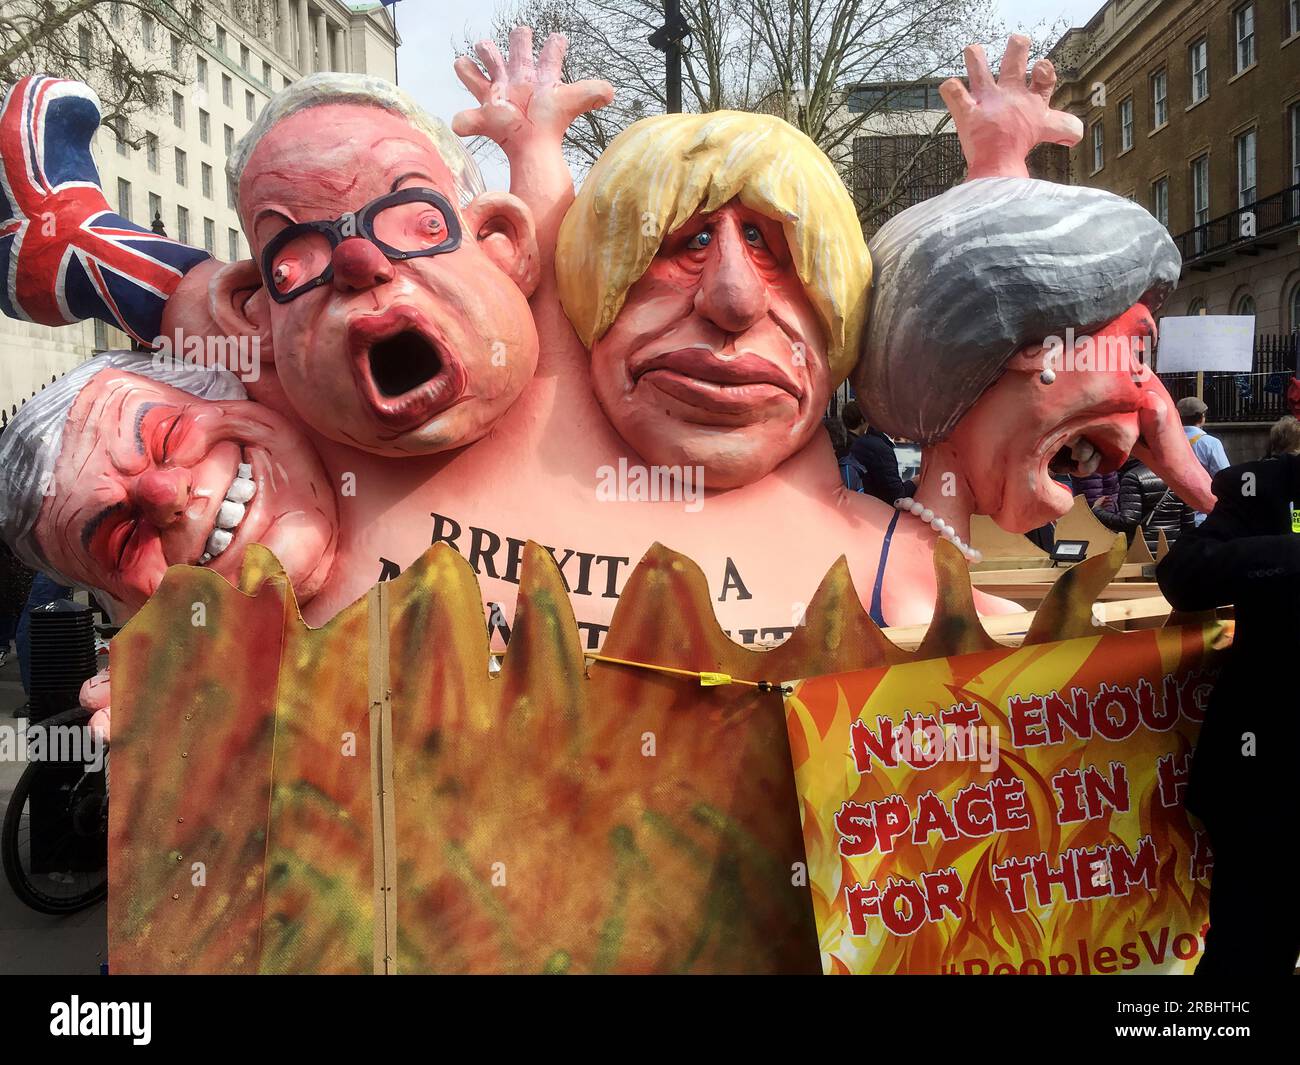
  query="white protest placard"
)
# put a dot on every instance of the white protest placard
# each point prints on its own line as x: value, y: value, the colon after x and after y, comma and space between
x: 1223, y: 342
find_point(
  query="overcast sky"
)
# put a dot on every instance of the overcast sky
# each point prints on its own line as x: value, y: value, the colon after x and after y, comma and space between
x: 432, y: 30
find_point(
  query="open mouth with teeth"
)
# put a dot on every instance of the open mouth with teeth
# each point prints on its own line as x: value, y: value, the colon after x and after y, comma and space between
x: 1078, y: 457
x: 231, y: 513
x: 404, y: 373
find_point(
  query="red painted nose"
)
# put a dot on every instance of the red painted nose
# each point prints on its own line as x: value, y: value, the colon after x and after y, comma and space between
x: 359, y: 265
x: 162, y: 495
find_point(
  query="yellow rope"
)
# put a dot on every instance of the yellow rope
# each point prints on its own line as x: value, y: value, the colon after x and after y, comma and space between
x: 707, y: 679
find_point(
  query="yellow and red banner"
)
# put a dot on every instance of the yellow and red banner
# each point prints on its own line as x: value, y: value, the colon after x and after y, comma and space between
x: 1016, y: 810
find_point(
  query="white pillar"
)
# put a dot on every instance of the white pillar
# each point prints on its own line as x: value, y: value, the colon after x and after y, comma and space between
x: 304, y: 39
x: 282, y: 27
x: 322, y: 42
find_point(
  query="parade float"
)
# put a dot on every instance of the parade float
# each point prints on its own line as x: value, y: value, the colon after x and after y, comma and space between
x: 512, y: 615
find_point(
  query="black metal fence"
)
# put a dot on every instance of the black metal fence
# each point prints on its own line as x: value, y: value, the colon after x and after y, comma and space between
x: 1258, y: 396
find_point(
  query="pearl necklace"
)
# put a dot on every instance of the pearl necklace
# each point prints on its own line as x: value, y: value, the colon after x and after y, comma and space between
x: 908, y: 505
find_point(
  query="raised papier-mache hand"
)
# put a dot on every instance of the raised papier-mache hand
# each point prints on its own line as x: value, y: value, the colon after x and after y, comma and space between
x: 65, y: 254
x: 999, y: 122
x: 525, y: 106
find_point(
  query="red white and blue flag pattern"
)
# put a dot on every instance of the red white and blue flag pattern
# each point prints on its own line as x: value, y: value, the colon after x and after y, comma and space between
x: 65, y: 255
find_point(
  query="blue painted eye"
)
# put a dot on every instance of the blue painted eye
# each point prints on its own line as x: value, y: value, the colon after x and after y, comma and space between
x: 754, y: 236
x: 701, y: 239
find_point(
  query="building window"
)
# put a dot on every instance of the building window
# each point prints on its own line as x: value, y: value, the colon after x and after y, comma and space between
x: 124, y: 198
x: 1198, y: 63
x: 101, y: 335
x: 175, y: 51
x: 221, y: 39
x: 151, y: 151
x: 1243, y: 22
x: 250, y: 106
x: 1160, y: 200
x: 1246, y: 169
x: 243, y: 56
x: 1200, y: 190
x: 232, y: 245
x: 182, y: 225
x: 1295, y: 308
x: 155, y: 207
x: 1126, y: 124
x: 229, y: 135
x: 119, y: 134
x: 146, y: 31
x: 181, y: 178
x: 227, y: 90
x: 1197, y: 306
x: 266, y: 70
x: 178, y: 110
x: 202, y: 76
x: 1098, y: 147
x: 1292, y: 17
x: 85, y: 44
x: 1246, y: 305
x: 230, y: 192
x: 1295, y: 144
x: 205, y: 179
x: 1159, y: 99
x: 903, y: 96
x: 209, y: 236
x: 205, y: 126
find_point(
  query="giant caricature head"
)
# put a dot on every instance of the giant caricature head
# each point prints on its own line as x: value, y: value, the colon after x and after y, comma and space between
x: 715, y: 267
x: 977, y: 293
x: 123, y: 468
x: 398, y: 312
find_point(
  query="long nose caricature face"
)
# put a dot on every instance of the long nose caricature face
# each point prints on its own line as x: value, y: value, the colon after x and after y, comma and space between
x: 717, y: 357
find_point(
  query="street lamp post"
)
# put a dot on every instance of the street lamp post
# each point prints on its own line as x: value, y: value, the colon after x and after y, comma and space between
x: 668, y: 39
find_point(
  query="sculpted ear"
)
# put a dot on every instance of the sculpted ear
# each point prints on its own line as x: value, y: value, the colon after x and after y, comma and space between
x: 237, y: 303
x: 503, y: 227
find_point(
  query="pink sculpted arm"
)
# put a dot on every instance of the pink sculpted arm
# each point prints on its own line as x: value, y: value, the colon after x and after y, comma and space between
x: 999, y: 122
x: 525, y: 107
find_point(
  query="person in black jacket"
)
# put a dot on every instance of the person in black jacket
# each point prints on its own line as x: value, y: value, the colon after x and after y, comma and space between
x: 873, y: 452
x: 1145, y: 500
x: 1243, y: 778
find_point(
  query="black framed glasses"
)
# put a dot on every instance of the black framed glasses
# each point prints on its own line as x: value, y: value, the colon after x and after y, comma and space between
x: 406, y: 224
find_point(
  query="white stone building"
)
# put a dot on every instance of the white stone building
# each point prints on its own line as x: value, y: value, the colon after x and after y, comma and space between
x: 178, y: 173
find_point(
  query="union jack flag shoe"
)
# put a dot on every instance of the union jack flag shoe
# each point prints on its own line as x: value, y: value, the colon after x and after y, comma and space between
x: 65, y: 255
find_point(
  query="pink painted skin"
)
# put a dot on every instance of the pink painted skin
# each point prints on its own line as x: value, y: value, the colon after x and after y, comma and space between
x: 997, y: 460
x: 717, y: 358
x: 1117, y: 411
x: 458, y: 320
x: 143, y: 472
x: 535, y: 474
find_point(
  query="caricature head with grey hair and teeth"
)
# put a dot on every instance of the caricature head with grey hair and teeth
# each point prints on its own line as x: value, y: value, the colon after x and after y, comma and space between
x: 396, y: 288
x: 126, y: 466
x: 978, y: 292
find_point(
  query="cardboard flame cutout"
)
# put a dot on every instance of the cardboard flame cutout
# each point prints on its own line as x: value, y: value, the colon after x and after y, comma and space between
x: 304, y: 814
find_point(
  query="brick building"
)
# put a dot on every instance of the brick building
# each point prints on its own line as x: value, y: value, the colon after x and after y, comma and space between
x: 1192, y: 109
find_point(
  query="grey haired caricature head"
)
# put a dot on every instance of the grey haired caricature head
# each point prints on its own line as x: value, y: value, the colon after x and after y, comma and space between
x: 967, y: 278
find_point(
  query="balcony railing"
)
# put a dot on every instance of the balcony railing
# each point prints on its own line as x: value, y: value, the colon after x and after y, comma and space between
x: 1242, y: 226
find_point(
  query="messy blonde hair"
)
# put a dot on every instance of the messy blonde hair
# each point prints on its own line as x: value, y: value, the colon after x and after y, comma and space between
x: 660, y: 171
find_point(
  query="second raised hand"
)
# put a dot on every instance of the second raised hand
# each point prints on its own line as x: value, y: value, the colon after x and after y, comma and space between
x: 522, y: 100
x: 999, y: 122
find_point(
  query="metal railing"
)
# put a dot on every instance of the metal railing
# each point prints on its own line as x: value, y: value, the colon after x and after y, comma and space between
x: 1258, y: 396
x: 1275, y: 212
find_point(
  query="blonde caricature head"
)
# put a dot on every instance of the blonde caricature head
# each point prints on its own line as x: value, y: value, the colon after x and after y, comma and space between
x: 662, y: 170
